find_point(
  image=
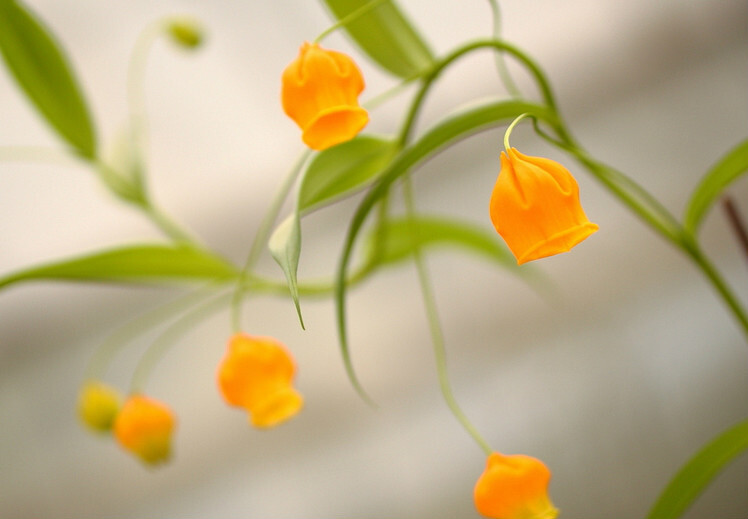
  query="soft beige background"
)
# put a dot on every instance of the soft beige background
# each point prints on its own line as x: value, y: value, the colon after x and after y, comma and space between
x: 613, y: 387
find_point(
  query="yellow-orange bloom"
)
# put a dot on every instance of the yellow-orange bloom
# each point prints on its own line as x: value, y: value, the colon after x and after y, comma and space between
x: 320, y: 90
x: 144, y: 427
x: 257, y: 374
x: 98, y: 405
x: 514, y: 487
x: 535, y: 207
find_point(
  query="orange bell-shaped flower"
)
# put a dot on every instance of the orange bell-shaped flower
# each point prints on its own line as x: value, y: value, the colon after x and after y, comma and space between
x: 257, y: 374
x: 535, y: 207
x: 144, y: 427
x: 514, y: 487
x: 320, y: 90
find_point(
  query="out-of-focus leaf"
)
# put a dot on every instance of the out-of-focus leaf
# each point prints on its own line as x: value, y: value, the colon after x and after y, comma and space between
x: 699, y: 471
x: 343, y: 169
x: 285, y: 247
x: 386, y: 36
x: 396, y: 240
x: 40, y: 67
x: 137, y: 264
x: 450, y: 130
x: 728, y: 169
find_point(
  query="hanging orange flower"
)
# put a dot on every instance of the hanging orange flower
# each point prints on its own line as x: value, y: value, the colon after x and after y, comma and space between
x: 320, y: 90
x: 257, y: 374
x: 514, y: 487
x: 144, y: 427
x: 98, y: 405
x: 535, y: 207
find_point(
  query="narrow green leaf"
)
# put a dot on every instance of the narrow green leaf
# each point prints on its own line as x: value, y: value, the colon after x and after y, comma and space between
x: 386, y: 36
x: 136, y: 264
x: 728, y: 169
x: 393, y: 241
x: 343, y: 169
x: 40, y: 67
x: 699, y: 471
x: 285, y: 247
x: 450, y: 130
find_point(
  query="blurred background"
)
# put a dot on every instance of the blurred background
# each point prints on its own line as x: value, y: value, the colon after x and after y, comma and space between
x: 614, y: 385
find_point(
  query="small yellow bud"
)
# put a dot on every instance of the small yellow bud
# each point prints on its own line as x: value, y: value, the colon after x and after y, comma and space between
x: 186, y: 32
x: 98, y: 405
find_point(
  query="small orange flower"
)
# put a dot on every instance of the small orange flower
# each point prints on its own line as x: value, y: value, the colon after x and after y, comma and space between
x: 257, y: 374
x: 514, y: 487
x: 98, y: 405
x: 144, y: 427
x: 535, y: 207
x: 320, y: 90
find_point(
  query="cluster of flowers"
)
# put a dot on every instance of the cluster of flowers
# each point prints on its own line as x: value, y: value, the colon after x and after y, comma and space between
x: 534, y: 207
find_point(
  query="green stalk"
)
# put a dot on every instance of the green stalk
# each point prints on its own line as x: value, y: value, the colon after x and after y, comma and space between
x: 437, y: 336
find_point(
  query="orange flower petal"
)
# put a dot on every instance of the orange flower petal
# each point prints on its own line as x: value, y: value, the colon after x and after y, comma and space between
x: 535, y: 207
x: 144, y: 427
x: 320, y: 90
x: 514, y: 487
x: 257, y: 374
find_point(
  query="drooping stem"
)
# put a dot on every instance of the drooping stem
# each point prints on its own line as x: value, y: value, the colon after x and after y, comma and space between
x: 169, y: 337
x: 437, y: 337
x: 349, y: 18
x: 501, y: 67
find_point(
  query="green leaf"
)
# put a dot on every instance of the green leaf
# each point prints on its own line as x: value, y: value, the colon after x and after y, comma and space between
x: 40, y: 67
x: 728, y: 169
x: 334, y: 173
x: 144, y: 263
x: 285, y: 247
x: 699, y: 471
x: 342, y: 170
x: 397, y: 239
x: 386, y: 36
x: 455, y: 127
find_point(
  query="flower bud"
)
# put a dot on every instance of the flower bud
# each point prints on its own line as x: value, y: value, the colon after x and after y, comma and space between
x: 144, y: 427
x: 98, y: 405
x: 535, y: 207
x: 320, y: 90
x: 514, y: 487
x: 257, y: 374
x: 185, y: 32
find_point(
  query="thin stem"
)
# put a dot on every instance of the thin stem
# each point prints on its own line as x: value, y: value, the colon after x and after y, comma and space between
x: 166, y: 224
x: 720, y: 285
x: 437, y: 337
x: 349, y: 18
x: 508, y: 131
x: 439, y: 66
x: 262, y: 235
x: 501, y: 67
x: 169, y: 337
x: 128, y: 332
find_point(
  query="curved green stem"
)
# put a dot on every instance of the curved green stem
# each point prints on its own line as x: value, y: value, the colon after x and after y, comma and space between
x: 442, y: 64
x: 128, y: 332
x: 169, y: 337
x: 437, y: 337
x: 501, y: 67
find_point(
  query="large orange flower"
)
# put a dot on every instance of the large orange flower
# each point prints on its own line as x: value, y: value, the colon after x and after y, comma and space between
x: 535, y: 207
x: 144, y: 427
x: 257, y: 374
x: 514, y: 487
x: 320, y: 90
